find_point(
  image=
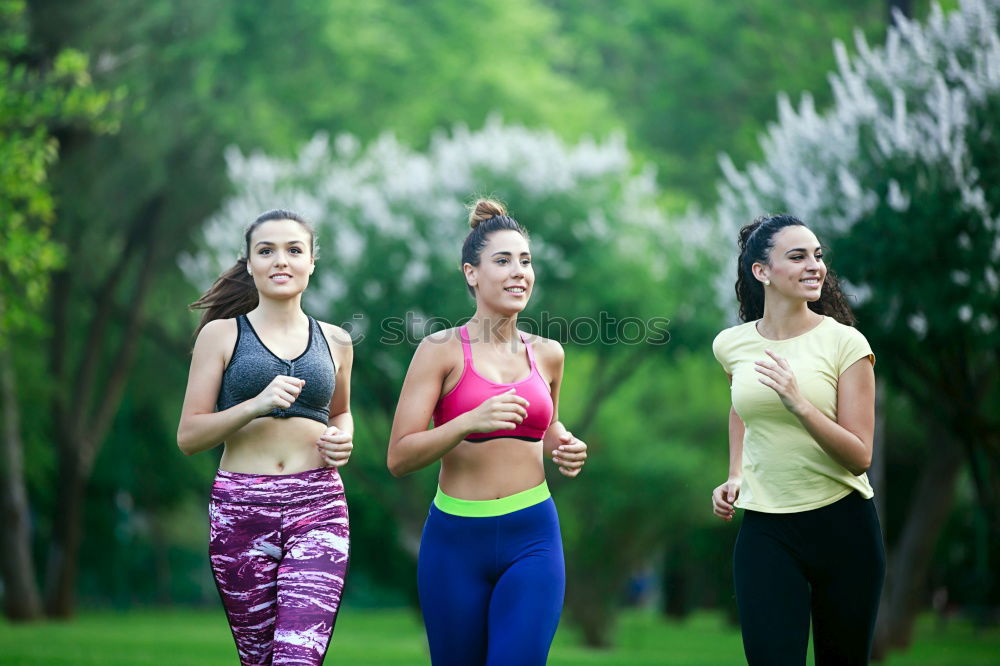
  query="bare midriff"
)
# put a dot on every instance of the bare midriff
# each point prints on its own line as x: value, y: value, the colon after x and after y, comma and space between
x: 270, y: 445
x: 492, y: 469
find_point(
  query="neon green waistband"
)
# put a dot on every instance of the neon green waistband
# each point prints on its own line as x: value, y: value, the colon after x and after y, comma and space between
x: 494, y: 507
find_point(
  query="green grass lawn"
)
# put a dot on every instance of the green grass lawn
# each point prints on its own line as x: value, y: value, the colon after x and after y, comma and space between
x: 389, y: 638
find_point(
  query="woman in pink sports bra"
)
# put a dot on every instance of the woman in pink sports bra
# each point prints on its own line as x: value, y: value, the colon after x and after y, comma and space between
x: 491, y: 574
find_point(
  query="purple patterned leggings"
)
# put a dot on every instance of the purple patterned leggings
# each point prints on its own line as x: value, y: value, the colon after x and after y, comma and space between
x: 279, y: 548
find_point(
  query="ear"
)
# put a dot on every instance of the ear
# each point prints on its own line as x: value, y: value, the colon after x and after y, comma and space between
x: 312, y: 265
x: 760, y: 271
x: 471, y: 275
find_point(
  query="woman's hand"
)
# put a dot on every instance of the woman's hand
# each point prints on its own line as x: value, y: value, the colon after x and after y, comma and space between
x: 335, y: 446
x: 501, y: 412
x: 279, y: 394
x: 777, y: 374
x: 724, y: 497
x: 571, y: 455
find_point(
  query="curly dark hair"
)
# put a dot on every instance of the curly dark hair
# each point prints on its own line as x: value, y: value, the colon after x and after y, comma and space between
x: 756, y: 241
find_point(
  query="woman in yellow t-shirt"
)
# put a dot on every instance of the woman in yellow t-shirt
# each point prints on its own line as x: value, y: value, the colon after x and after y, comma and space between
x: 800, y: 441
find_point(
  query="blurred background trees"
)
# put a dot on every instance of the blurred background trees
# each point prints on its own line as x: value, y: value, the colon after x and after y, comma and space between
x: 600, y: 123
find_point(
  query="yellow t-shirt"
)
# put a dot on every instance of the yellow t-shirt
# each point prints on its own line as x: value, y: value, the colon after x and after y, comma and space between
x: 784, y: 468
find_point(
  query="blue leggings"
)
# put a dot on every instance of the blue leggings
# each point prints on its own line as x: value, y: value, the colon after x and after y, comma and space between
x: 491, y: 589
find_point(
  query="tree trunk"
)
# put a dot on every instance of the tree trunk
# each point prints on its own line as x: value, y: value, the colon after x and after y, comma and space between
x: 910, y: 560
x: 876, y: 473
x: 80, y: 426
x: 22, y: 601
x: 587, y: 606
x: 60, y: 586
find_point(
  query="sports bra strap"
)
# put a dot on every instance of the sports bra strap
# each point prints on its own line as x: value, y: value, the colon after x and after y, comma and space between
x: 466, y: 348
x: 531, y: 352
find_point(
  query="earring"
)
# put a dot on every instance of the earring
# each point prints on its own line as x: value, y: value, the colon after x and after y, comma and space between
x: 767, y: 283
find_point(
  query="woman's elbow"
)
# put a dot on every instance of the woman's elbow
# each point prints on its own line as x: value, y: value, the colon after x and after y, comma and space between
x: 862, y: 465
x: 397, y: 464
x: 184, y: 442
x: 396, y: 467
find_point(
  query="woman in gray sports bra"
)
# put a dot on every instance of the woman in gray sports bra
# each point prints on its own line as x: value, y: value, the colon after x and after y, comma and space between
x: 273, y: 384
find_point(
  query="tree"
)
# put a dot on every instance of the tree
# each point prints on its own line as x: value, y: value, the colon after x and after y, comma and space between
x: 900, y: 177
x: 34, y: 99
x: 694, y: 79
x: 390, y: 222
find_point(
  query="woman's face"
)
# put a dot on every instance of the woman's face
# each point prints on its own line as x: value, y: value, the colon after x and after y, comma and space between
x: 504, y: 276
x: 280, y: 258
x: 796, y: 269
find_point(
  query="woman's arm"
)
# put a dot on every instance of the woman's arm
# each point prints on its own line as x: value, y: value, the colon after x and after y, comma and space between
x: 725, y: 495
x: 566, y: 451
x: 411, y: 445
x: 849, y: 439
x: 737, y: 430
x: 201, y: 427
x: 337, y: 442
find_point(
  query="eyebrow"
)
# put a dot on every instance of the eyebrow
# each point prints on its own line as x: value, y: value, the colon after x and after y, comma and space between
x: 802, y: 249
x: 510, y: 254
x: 267, y: 242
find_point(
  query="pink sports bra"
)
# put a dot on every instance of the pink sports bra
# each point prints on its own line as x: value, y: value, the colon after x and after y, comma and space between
x: 472, y: 389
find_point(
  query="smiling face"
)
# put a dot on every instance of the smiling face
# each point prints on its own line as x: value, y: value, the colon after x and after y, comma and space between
x: 504, y: 277
x: 280, y: 258
x: 795, y: 266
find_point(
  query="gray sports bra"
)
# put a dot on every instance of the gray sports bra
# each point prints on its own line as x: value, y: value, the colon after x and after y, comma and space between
x: 253, y: 366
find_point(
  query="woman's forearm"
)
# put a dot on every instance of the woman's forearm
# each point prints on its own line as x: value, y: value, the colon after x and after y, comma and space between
x: 344, y: 422
x: 839, y: 443
x: 419, y: 449
x: 201, y: 432
x: 553, y: 438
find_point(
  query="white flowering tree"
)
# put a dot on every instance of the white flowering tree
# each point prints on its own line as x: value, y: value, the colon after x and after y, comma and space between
x: 610, y: 270
x: 901, y: 178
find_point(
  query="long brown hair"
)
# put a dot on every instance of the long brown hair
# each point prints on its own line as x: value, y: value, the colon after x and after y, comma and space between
x: 756, y: 241
x: 234, y: 292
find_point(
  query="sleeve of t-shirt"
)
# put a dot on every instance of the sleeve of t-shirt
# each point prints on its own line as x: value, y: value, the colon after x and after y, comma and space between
x: 720, y: 348
x: 853, y: 346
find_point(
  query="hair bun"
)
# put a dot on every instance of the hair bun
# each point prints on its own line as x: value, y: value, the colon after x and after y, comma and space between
x: 483, y: 210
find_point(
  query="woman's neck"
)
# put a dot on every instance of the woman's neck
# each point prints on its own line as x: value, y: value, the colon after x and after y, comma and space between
x: 283, y: 314
x: 786, y: 319
x: 493, y: 329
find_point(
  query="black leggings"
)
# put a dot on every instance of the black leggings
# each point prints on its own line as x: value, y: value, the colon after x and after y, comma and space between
x: 828, y: 563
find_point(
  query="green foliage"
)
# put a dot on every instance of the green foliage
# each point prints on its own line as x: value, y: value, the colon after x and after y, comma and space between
x: 32, y: 102
x: 692, y: 80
